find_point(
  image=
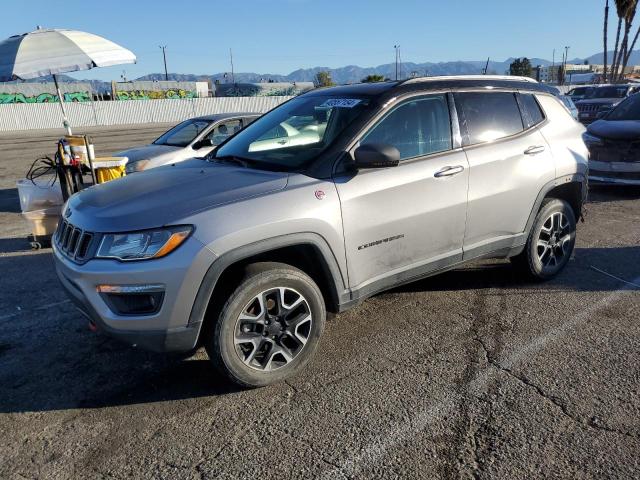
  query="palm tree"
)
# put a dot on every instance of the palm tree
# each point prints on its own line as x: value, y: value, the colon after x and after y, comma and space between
x: 626, y: 10
x: 625, y: 51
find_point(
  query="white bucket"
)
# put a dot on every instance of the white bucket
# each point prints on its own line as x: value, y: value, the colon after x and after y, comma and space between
x: 39, y: 195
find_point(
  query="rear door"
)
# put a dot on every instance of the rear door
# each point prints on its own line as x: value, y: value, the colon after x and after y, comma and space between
x: 509, y: 163
x: 398, y: 220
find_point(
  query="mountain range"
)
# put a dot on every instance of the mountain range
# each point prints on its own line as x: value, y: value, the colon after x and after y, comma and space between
x: 354, y: 73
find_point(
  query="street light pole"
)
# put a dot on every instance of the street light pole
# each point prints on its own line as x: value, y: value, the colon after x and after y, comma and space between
x: 396, y: 47
x: 164, y: 56
x: 566, y: 59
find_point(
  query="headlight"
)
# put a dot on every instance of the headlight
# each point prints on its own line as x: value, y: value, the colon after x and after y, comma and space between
x: 136, y: 166
x: 143, y: 245
x: 591, y: 139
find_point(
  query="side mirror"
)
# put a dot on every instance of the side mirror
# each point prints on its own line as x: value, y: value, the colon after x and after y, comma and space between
x: 376, y: 155
x: 205, y: 142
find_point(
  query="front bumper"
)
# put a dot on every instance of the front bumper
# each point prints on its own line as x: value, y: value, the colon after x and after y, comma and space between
x: 614, y: 173
x: 170, y: 328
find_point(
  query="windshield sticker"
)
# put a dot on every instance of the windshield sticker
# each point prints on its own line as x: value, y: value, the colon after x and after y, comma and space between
x: 341, y: 103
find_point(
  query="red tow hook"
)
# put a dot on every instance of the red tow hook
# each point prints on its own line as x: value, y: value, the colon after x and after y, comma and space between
x: 93, y: 327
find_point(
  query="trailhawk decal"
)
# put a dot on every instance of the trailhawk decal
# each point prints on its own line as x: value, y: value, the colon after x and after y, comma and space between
x: 378, y: 242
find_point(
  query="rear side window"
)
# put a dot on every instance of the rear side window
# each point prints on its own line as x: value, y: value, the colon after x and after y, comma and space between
x: 487, y: 116
x: 416, y: 128
x: 533, y: 112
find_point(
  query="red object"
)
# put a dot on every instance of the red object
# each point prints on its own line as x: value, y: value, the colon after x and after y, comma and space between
x: 93, y: 327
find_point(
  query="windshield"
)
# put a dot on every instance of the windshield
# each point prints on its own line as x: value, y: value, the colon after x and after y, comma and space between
x: 183, y: 134
x: 627, y: 110
x: 290, y: 136
x: 608, y: 92
x: 580, y: 91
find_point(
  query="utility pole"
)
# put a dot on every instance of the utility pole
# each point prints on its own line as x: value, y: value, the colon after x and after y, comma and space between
x: 164, y: 56
x: 397, y: 48
x: 566, y: 59
x: 233, y: 78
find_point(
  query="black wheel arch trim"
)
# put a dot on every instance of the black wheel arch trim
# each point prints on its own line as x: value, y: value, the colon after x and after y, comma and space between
x: 557, y: 182
x: 337, y: 287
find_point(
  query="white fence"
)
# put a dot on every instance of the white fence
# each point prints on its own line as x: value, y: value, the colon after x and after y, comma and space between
x: 122, y: 112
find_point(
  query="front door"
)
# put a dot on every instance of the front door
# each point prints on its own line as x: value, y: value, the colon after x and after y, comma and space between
x: 401, y: 220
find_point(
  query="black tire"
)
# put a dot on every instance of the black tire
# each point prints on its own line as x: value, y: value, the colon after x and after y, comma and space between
x: 540, y: 262
x: 264, y: 284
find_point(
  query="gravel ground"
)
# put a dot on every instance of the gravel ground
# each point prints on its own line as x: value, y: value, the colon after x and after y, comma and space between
x: 471, y: 374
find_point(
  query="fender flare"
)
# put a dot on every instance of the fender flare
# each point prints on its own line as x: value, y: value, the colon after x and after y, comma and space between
x: 566, y: 179
x: 221, y: 263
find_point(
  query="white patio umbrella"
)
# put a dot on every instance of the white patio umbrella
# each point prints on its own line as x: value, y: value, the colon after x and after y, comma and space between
x: 53, y: 51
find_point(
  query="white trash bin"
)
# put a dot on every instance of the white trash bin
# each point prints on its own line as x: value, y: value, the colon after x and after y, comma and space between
x: 38, y: 195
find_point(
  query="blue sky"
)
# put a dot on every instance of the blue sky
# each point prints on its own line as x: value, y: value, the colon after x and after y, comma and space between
x: 278, y: 36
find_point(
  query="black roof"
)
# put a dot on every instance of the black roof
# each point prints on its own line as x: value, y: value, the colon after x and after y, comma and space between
x: 433, y: 83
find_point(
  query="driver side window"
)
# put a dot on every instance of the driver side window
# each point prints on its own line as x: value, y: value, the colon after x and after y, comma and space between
x: 416, y: 128
x: 223, y: 131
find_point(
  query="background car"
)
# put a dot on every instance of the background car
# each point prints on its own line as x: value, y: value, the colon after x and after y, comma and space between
x: 602, y: 99
x: 614, y: 145
x: 192, y: 138
x: 568, y: 102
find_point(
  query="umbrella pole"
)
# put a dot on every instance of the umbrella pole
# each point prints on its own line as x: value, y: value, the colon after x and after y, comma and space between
x: 65, y: 121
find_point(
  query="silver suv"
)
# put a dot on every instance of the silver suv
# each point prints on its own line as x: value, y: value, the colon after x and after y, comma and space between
x: 332, y: 197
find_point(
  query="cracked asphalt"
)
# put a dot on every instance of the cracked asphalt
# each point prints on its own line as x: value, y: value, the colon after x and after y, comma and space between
x: 471, y: 374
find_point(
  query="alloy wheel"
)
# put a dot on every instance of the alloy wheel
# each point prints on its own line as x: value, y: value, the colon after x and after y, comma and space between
x: 554, y: 241
x: 273, y: 328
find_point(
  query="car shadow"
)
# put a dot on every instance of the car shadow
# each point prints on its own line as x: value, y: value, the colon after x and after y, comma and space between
x: 9, y: 200
x: 50, y: 360
x: 15, y: 245
x: 583, y: 273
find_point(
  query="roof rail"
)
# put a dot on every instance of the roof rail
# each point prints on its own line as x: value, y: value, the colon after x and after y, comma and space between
x: 512, y: 78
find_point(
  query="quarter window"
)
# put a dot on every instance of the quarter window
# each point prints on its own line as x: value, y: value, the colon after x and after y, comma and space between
x: 534, y: 113
x: 487, y: 116
x: 417, y: 127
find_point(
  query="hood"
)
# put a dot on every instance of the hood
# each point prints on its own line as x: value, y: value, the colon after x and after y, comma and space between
x: 599, y: 101
x: 146, y: 152
x: 167, y: 195
x: 616, y: 129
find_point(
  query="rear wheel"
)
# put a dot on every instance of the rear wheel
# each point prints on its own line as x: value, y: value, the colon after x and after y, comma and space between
x: 551, y: 241
x: 270, y: 326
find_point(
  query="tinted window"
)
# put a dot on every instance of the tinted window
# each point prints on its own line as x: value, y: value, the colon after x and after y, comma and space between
x: 487, y: 116
x: 418, y: 127
x: 534, y: 112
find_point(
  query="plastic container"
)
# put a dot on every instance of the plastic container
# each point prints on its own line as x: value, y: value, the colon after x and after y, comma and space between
x: 39, y: 195
x: 43, y: 222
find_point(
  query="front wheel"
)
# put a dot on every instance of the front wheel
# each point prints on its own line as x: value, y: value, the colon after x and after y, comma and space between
x: 270, y: 326
x: 551, y: 241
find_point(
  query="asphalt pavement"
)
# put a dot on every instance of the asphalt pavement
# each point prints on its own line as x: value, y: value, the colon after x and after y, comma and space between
x: 475, y: 373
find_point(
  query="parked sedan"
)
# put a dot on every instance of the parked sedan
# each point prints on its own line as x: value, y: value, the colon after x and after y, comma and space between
x: 192, y: 138
x: 614, y: 145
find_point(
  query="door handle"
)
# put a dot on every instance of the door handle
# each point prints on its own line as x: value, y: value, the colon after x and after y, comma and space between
x: 534, y: 150
x: 449, y: 171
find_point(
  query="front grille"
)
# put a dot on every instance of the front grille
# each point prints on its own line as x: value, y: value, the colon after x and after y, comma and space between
x: 616, y: 151
x: 73, y: 241
x: 588, y: 107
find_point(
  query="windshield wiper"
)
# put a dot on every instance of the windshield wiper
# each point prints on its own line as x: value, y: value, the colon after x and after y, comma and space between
x: 243, y: 162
